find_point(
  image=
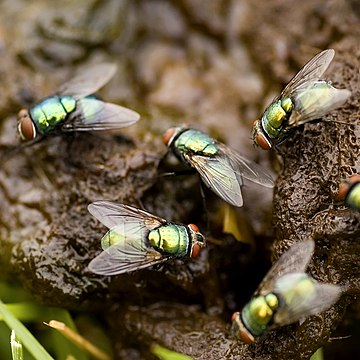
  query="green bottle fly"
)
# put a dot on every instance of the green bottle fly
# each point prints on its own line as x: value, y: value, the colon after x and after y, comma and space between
x: 138, y: 239
x: 74, y: 108
x: 286, y: 295
x: 220, y: 168
x: 304, y: 99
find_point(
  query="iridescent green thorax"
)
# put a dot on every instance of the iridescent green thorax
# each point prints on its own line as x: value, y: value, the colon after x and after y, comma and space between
x: 51, y: 112
x: 353, y: 196
x: 259, y: 312
x: 276, y: 116
x: 195, y: 142
x: 170, y: 239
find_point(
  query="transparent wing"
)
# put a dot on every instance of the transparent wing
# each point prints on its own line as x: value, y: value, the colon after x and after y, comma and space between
x: 112, y: 214
x: 88, y: 81
x: 246, y: 168
x: 315, y: 100
x: 218, y: 174
x: 93, y: 114
x: 301, y: 305
x: 296, y: 259
x: 311, y: 71
x: 123, y: 258
x: 127, y: 234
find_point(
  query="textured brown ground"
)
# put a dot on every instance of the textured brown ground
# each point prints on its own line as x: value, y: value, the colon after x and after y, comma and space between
x: 215, y: 65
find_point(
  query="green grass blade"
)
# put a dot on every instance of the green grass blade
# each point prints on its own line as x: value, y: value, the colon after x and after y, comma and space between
x: 79, y: 340
x: 63, y: 347
x: 29, y: 312
x: 25, y: 336
x: 16, y: 347
x: 166, y: 354
x: 55, y: 342
x: 318, y: 355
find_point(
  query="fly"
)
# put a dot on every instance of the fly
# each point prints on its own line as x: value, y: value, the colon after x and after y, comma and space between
x: 304, y: 99
x: 220, y: 168
x: 286, y: 295
x: 73, y: 108
x: 137, y: 239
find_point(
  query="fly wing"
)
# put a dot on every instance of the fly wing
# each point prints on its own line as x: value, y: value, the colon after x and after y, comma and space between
x: 112, y: 214
x: 311, y: 71
x: 124, y: 257
x: 246, y: 168
x: 218, y: 174
x: 92, y: 114
x: 302, y: 305
x: 296, y: 259
x: 315, y: 100
x: 88, y: 81
x: 130, y: 235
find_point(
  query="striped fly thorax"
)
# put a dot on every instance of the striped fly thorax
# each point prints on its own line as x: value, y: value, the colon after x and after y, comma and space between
x: 196, y: 142
x: 51, y: 112
x: 171, y: 239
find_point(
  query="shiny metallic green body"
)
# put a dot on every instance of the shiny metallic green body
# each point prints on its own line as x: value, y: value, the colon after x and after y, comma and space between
x: 51, y: 112
x: 353, y: 196
x: 258, y: 313
x: 273, y: 308
x: 195, y: 142
x: 170, y: 239
x: 275, y: 118
x: 305, y: 104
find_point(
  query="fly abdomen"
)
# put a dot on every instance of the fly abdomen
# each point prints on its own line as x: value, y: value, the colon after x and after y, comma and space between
x: 49, y: 113
x: 112, y: 237
x: 170, y: 239
x: 196, y: 142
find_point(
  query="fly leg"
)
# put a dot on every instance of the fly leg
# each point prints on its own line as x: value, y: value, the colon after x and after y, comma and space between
x: 206, y: 211
x: 178, y: 173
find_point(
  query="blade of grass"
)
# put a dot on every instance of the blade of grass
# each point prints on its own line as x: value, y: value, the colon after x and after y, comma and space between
x: 166, y: 354
x: 60, y: 346
x: 5, y: 351
x: 29, y: 312
x: 63, y: 347
x: 318, y: 355
x: 16, y: 347
x: 78, y: 340
x: 94, y: 332
x: 25, y: 336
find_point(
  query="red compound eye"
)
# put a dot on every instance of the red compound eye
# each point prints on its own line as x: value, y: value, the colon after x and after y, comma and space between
x: 261, y: 140
x: 168, y: 135
x: 354, y: 178
x: 194, y: 227
x: 26, y: 126
x: 245, y: 338
x: 234, y: 316
x: 239, y: 329
x: 195, y: 251
x: 346, y: 185
x: 343, y: 190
